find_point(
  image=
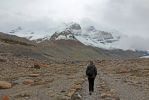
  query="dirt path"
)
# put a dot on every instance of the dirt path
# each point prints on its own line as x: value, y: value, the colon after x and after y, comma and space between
x: 85, y: 92
x: 102, y: 90
x: 111, y: 88
x: 124, y: 90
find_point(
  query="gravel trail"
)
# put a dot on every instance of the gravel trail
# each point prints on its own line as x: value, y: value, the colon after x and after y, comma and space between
x: 124, y: 90
x: 85, y: 91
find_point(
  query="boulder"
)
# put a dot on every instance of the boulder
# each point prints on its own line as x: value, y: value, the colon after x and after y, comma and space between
x: 5, y: 85
x: 4, y: 97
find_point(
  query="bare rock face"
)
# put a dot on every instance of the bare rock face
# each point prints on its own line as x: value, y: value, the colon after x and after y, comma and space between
x: 74, y: 26
x: 5, y: 85
x: 68, y: 33
x: 64, y: 35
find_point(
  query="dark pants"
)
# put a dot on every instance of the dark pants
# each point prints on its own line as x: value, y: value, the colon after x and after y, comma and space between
x: 91, y: 84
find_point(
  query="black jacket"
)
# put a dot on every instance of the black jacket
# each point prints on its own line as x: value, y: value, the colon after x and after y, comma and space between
x: 92, y: 69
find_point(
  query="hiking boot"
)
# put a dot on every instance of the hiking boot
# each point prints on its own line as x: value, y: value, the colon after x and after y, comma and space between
x: 90, y: 93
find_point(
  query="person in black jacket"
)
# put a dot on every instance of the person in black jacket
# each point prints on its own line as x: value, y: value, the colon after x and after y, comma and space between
x: 91, y: 73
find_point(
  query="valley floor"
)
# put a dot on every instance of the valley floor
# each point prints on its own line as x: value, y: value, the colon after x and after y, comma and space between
x: 41, y: 80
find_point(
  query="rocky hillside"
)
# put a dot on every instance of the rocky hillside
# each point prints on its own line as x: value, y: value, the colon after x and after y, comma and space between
x: 61, y: 46
x: 65, y: 35
x: 16, y: 46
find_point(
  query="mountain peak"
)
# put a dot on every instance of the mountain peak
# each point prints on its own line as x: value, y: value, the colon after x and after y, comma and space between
x: 69, y: 32
x: 19, y: 28
x: 91, y: 29
x: 90, y: 35
x: 73, y: 26
x: 64, y: 35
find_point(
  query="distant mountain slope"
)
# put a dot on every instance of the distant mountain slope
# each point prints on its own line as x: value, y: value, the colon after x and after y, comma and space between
x: 75, y: 50
x: 17, y: 46
x: 89, y: 35
x: 59, y: 49
x: 12, y: 39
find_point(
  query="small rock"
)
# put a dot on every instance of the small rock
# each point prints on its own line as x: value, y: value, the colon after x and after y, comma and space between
x: 65, y: 98
x: 51, y: 94
x: 76, y: 96
x: 63, y: 91
x: 5, y: 97
x: 70, y: 93
x: 29, y: 66
x: 78, y: 87
x: 44, y: 65
x: 51, y: 80
x: 5, y: 85
x: 34, y: 75
x: 28, y: 82
x: 3, y: 60
x: 104, y: 95
x: 116, y: 98
x: 71, y: 77
x: 136, y: 82
x: 113, y: 90
x: 98, y: 86
x: 37, y: 66
x: 123, y: 71
x: 26, y: 95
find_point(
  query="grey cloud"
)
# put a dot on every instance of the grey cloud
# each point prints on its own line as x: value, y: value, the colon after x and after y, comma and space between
x: 130, y: 17
x: 135, y: 43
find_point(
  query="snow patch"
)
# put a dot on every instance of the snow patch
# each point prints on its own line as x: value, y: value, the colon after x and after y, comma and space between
x: 144, y: 57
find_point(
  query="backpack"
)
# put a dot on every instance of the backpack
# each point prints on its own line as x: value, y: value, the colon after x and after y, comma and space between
x: 90, y: 71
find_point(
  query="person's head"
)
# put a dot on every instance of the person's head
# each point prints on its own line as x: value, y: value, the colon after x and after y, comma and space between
x: 91, y: 62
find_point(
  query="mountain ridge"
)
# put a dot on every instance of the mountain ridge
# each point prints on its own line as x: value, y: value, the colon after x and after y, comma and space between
x: 61, y: 50
x: 87, y: 35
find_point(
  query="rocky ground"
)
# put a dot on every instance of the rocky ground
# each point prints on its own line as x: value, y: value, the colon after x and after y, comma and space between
x: 120, y: 80
x: 30, y: 79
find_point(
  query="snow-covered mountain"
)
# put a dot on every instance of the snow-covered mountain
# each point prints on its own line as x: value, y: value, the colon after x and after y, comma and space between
x: 88, y: 36
x: 65, y: 35
x: 29, y: 34
x: 73, y: 31
x: 92, y: 36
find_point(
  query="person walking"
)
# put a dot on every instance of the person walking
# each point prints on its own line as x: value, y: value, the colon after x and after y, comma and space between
x: 91, y: 73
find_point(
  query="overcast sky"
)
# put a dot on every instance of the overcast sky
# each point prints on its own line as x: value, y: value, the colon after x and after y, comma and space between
x: 131, y: 17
